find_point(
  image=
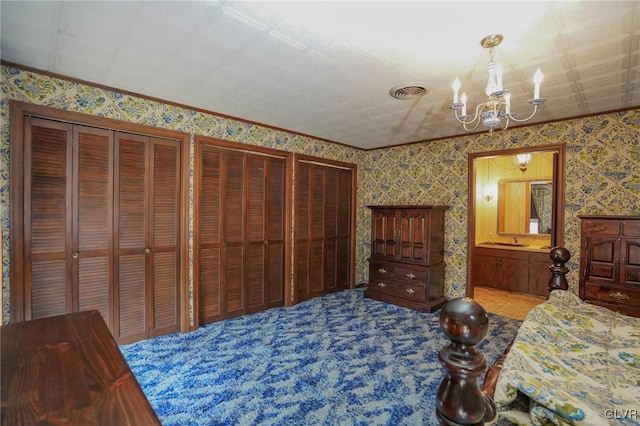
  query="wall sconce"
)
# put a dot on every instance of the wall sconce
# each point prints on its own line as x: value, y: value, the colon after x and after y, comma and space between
x: 524, y: 160
x: 489, y: 191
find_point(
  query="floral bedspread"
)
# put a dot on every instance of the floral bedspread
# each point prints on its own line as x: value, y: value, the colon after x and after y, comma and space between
x: 572, y: 363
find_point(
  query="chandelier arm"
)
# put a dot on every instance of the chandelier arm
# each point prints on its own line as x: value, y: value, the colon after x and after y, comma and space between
x: 535, y: 109
x: 476, y: 118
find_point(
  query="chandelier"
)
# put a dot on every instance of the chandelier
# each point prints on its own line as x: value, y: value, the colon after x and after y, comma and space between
x: 497, y: 108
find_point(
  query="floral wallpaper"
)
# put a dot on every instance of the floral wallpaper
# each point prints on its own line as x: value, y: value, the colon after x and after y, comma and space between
x: 603, y: 162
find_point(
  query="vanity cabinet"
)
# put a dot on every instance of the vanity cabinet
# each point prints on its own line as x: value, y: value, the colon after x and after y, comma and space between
x: 406, y: 267
x: 610, y: 262
x: 511, y: 270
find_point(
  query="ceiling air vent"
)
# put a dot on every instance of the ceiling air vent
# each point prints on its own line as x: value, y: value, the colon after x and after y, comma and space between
x: 409, y: 91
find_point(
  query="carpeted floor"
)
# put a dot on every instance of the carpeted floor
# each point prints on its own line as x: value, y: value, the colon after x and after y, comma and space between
x: 340, y: 359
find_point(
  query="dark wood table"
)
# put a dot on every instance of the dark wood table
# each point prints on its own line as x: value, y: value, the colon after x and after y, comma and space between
x: 68, y: 370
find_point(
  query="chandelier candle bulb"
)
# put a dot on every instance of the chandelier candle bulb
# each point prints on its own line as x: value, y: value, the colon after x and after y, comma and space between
x: 456, y: 88
x: 507, y: 103
x: 537, y: 79
x: 464, y: 103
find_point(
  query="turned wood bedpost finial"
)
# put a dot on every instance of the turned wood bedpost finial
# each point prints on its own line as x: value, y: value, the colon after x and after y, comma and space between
x: 459, y: 400
x: 560, y: 256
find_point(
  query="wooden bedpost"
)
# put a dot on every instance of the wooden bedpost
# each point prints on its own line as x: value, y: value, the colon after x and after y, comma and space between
x: 459, y: 400
x: 559, y: 256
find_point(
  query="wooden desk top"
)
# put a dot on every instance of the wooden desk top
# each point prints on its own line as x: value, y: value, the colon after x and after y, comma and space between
x: 68, y: 370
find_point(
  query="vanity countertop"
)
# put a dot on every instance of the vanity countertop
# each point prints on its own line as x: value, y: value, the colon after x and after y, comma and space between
x: 517, y: 247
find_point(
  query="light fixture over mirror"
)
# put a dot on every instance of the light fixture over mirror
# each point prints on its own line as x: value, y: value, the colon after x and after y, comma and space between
x: 495, y: 113
x: 523, y: 160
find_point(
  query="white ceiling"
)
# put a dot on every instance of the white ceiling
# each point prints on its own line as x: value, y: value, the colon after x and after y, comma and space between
x: 325, y: 68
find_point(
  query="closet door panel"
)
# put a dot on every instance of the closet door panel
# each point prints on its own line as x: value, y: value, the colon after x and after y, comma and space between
x: 256, y: 235
x: 302, y: 231
x: 330, y: 227
x: 316, y: 252
x: 131, y: 230
x: 209, y: 234
x: 94, y: 221
x: 234, y: 217
x: 164, y: 251
x: 275, y: 232
x: 47, y: 222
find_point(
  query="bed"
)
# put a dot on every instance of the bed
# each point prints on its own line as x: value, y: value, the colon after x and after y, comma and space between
x: 570, y: 363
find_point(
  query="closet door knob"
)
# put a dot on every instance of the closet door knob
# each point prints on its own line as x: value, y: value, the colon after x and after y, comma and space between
x: 147, y: 251
x: 75, y: 255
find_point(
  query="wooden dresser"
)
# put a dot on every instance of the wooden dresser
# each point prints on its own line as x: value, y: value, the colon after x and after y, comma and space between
x: 406, y: 266
x: 610, y: 262
x: 68, y: 370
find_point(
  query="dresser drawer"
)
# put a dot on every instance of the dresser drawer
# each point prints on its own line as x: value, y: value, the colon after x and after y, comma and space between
x: 381, y: 270
x: 610, y: 294
x: 601, y: 227
x: 399, y: 289
x: 411, y: 275
x: 631, y: 228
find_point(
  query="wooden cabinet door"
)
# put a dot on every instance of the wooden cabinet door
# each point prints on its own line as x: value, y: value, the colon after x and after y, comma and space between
x: 67, y: 219
x: 513, y: 274
x: 412, y: 236
x: 630, y: 263
x: 485, y: 271
x: 383, y: 234
x: 539, y: 274
x: 602, y: 259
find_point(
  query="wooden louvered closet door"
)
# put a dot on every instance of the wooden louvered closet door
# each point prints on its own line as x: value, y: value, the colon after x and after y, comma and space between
x: 100, y: 228
x: 240, y: 232
x: 323, y: 230
x: 68, y: 200
x: 147, y: 237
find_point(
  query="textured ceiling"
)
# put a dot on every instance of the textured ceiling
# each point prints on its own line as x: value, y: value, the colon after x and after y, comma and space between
x: 325, y: 68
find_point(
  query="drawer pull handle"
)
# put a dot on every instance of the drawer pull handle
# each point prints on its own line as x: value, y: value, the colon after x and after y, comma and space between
x: 382, y: 285
x: 618, y: 295
x: 410, y: 276
x: 411, y: 291
x: 382, y: 271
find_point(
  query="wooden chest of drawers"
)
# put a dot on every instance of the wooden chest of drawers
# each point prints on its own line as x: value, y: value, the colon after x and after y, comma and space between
x: 406, y: 267
x: 610, y: 262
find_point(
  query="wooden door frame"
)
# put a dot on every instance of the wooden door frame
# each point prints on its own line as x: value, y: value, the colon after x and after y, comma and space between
x: 18, y: 111
x: 298, y: 158
x: 559, y: 175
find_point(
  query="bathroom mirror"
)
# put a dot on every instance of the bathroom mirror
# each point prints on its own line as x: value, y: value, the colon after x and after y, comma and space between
x: 517, y: 193
x: 525, y: 206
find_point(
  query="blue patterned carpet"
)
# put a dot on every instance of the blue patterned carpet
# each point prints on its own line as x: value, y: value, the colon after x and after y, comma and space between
x: 340, y: 359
